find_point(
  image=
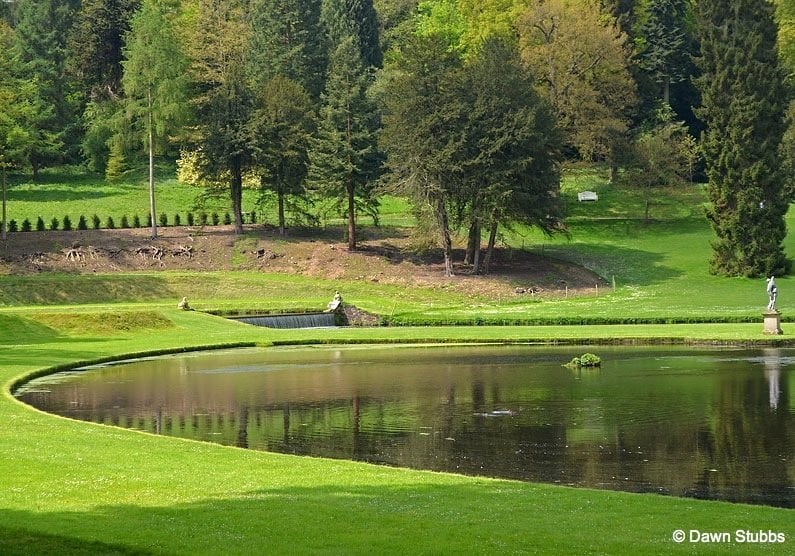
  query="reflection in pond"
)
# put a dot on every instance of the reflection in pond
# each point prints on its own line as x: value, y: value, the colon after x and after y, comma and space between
x: 679, y: 421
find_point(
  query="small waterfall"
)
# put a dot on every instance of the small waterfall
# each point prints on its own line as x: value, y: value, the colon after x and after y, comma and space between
x: 302, y: 320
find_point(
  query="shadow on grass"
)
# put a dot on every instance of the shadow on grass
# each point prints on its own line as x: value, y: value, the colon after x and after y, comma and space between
x: 385, y: 519
x: 16, y: 330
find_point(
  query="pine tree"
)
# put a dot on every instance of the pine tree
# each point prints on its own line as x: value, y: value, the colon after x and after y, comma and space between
x: 154, y: 82
x: 286, y: 39
x: 345, y: 161
x: 744, y: 102
x: 40, y: 43
x: 358, y: 18
x: 663, y: 41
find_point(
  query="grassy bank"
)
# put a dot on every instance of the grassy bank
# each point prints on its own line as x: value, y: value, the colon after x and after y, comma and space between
x: 80, y: 488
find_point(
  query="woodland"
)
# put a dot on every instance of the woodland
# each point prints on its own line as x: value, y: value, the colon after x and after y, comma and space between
x: 469, y: 109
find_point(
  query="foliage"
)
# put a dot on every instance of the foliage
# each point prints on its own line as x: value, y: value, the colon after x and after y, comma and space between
x: 744, y: 102
x: 353, y: 18
x: 581, y: 61
x: 282, y: 125
x: 344, y: 157
x: 585, y: 360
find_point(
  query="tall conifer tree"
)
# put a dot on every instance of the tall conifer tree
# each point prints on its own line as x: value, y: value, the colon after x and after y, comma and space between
x: 744, y: 102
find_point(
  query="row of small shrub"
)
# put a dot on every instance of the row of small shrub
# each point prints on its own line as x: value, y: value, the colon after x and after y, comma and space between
x: 202, y: 219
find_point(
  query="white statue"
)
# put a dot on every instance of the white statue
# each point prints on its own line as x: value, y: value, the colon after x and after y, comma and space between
x: 772, y: 293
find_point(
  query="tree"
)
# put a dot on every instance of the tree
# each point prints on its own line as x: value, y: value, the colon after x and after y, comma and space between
x: 345, y: 160
x: 286, y: 39
x: 580, y: 58
x: 423, y: 120
x: 282, y: 125
x: 40, y: 44
x: 662, y: 44
x: 513, y: 148
x: 16, y: 110
x: 154, y: 82
x: 357, y: 18
x: 744, y: 102
x: 95, y: 45
x: 224, y: 101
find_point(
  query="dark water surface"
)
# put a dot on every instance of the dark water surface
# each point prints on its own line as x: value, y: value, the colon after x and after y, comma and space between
x: 682, y: 421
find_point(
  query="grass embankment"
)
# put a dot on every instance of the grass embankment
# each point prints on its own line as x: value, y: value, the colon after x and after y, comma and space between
x: 78, y: 488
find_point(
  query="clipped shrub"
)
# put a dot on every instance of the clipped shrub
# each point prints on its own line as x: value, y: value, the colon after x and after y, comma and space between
x: 110, y: 224
x: 202, y: 218
x: 12, y: 225
x: 215, y: 218
x: 585, y: 360
x: 26, y: 226
x: 227, y: 219
x: 81, y: 223
x: 163, y: 219
x: 125, y: 223
x: 148, y: 220
x: 253, y: 217
x: 190, y: 219
x: 40, y: 224
x: 67, y: 223
x: 54, y: 223
x: 177, y: 220
x: 136, y: 221
x: 96, y: 222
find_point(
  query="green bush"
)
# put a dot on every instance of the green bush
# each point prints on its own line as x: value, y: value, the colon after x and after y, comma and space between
x: 177, y: 220
x: 96, y: 222
x: 54, y: 223
x: 40, y: 224
x: 215, y: 218
x: 190, y: 219
x: 67, y: 223
x: 26, y: 227
x: 163, y: 219
x: 81, y: 223
x: 136, y: 221
x: 124, y: 222
x: 110, y: 224
x: 227, y: 219
x: 202, y: 218
x: 12, y: 225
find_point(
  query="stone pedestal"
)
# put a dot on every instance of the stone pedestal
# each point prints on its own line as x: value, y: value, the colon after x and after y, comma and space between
x: 772, y: 322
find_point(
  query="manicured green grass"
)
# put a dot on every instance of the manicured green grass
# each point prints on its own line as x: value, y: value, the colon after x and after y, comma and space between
x: 80, y: 488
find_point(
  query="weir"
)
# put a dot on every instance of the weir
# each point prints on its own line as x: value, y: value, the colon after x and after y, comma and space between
x: 295, y: 320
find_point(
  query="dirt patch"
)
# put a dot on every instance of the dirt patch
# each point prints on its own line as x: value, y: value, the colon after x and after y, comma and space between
x: 383, y: 257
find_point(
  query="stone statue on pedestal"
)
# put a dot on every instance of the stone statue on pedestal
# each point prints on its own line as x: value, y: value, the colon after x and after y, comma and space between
x: 772, y: 293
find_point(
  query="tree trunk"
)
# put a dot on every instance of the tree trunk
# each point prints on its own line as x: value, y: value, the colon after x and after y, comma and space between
x: 236, y: 190
x: 4, y: 204
x: 280, y: 195
x: 473, y: 244
x: 447, y: 242
x: 490, y: 247
x: 151, y: 166
x: 351, y: 218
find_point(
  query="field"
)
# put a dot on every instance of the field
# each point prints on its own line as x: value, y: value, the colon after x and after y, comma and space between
x: 77, y: 488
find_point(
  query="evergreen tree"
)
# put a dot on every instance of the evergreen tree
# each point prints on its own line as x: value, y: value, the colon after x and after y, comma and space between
x: 224, y: 101
x: 663, y: 42
x: 95, y: 45
x: 286, y: 39
x: 40, y: 43
x: 424, y: 118
x: 154, y: 82
x: 744, y: 102
x: 345, y: 160
x: 358, y: 18
x: 282, y: 126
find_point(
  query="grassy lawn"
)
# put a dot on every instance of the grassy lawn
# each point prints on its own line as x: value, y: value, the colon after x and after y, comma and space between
x: 78, y: 488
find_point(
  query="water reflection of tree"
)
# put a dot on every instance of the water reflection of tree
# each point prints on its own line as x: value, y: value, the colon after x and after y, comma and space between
x: 751, y: 441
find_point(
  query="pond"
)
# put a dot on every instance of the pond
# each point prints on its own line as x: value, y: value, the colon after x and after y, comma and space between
x: 681, y: 421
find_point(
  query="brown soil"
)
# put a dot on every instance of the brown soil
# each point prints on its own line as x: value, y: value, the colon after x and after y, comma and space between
x: 384, y: 256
